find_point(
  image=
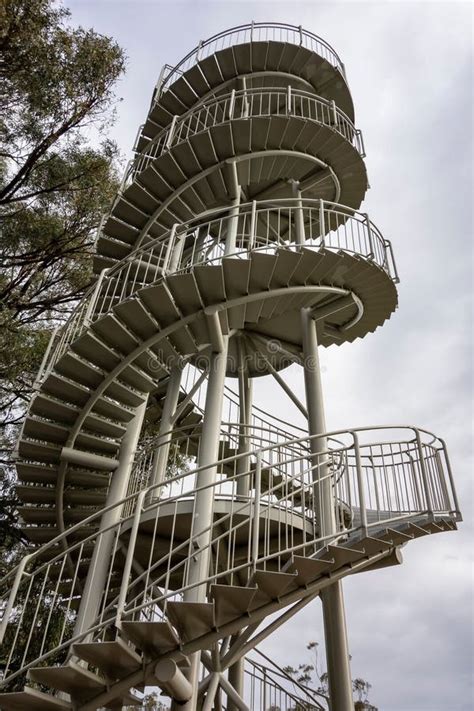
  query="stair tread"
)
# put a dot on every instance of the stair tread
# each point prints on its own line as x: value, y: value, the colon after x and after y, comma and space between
x: 32, y: 700
x: 151, y: 637
x: 115, y: 659
x: 191, y: 619
x: 72, y: 678
x: 231, y: 601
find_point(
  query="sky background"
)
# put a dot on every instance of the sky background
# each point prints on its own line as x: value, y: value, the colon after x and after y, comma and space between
x: 409, y: 67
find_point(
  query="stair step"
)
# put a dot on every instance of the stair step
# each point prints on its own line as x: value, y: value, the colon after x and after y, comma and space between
x: 120, y: 391
x: 92, y: 348
x: 371, y: 545
x: 231, y: 601
x: 343, y: 555
x: 44, y: 534
x: 394, y: 536
x: 153, y: 638
x: 41, y: 429
x: 72, y: 678
x: 134, y: 315
x: 307, y: 570
x: 107, y: 408
x: 46, y: 406
x: 32, y: 700
x: 112, y: 331
x: 73, y: 367
x: 47, y: 495
x: 114, y: 659
x: 39, y: 451
x: 65, y: 389
x: 191, y: 619
x: 273, y: 584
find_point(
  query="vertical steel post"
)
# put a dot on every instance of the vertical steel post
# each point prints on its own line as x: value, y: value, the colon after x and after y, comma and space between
x: 245, y: 421
x: 298, y: 212
x: 340, y: 683
x: 100, y: 563
x: 233, y: 219
x: 204, y: 499
x: 163, y: 444
x: 236, y: 679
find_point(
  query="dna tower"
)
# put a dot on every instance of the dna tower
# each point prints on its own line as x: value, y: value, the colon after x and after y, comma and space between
x: 174, y: 524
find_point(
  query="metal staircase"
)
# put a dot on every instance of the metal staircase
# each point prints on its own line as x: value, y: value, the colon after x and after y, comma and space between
x: 169, y: 516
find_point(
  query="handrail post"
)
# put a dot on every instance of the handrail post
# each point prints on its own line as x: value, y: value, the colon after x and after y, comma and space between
x: 334, y: 112
x: 232, y: 105
x: 44, y: 360
x: 322, y: 222
x: 170, y: 245
x: 93, y: 300
x: 360, y: 485
x: 361, y: 143
x: 13, y: 593
x: 169, y: 138
x: 199, y: 50
x: 256, y: 510
x: 300, y: 28
x: 177, y: 253
x: 451, y: 478
x: 371, y: 254
x: 127, y: 569
x: 253, y: 224
x: 424, y: 473
x: 288, y: 100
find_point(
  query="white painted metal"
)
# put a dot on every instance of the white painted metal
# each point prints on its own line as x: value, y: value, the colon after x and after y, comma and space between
x: 262, y: 516
x: 337, y: 652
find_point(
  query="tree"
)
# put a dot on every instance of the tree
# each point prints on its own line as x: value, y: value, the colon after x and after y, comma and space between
x: 58, y: 175
x: 312, y: 676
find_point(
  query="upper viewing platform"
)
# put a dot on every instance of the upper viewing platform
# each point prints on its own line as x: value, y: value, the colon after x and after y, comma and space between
x: 258, y: 54
x: 258, y: 112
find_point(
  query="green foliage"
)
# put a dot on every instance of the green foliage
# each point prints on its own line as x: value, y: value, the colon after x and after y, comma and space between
x: 58, y: 175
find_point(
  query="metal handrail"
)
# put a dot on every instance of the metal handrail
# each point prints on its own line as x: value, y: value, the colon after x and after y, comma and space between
x: 405, y: 468
x: 251, y: 32
x: 346, y: 230
x: 245, y: 103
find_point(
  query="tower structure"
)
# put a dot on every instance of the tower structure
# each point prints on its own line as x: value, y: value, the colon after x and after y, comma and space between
x: 170, y: 517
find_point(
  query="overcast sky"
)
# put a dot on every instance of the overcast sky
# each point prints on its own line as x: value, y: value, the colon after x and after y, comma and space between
x: 409, y: 67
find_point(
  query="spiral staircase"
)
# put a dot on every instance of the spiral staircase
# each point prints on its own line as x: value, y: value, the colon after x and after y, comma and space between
x: 170, y: 518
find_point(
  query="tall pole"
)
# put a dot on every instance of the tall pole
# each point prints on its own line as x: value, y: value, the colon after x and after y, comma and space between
x: 100, y: 563
x: 204, y: 499
x: 339, y: 673
x: 162, y: 450
x: 245, y: 420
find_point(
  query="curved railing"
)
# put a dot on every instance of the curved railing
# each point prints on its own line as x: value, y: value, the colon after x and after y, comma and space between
x: 245, y: 104
x: 264, y: 226
x: 251, y: 32
x: 391, y: 475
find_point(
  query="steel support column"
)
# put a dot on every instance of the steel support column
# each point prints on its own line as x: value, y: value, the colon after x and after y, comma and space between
x: 203, y: 502
x: 236, y: 679
x: 340, y: 684
x: 160, y: 458
x: 245, y: 418
x: 100, y: 563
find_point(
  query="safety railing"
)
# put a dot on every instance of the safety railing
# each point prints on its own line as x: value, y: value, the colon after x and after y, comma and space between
x: 243, y: 34
x: 270, y: 687
x: 246, y: 104
x: 261, y: 516
x: 266, y: 226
